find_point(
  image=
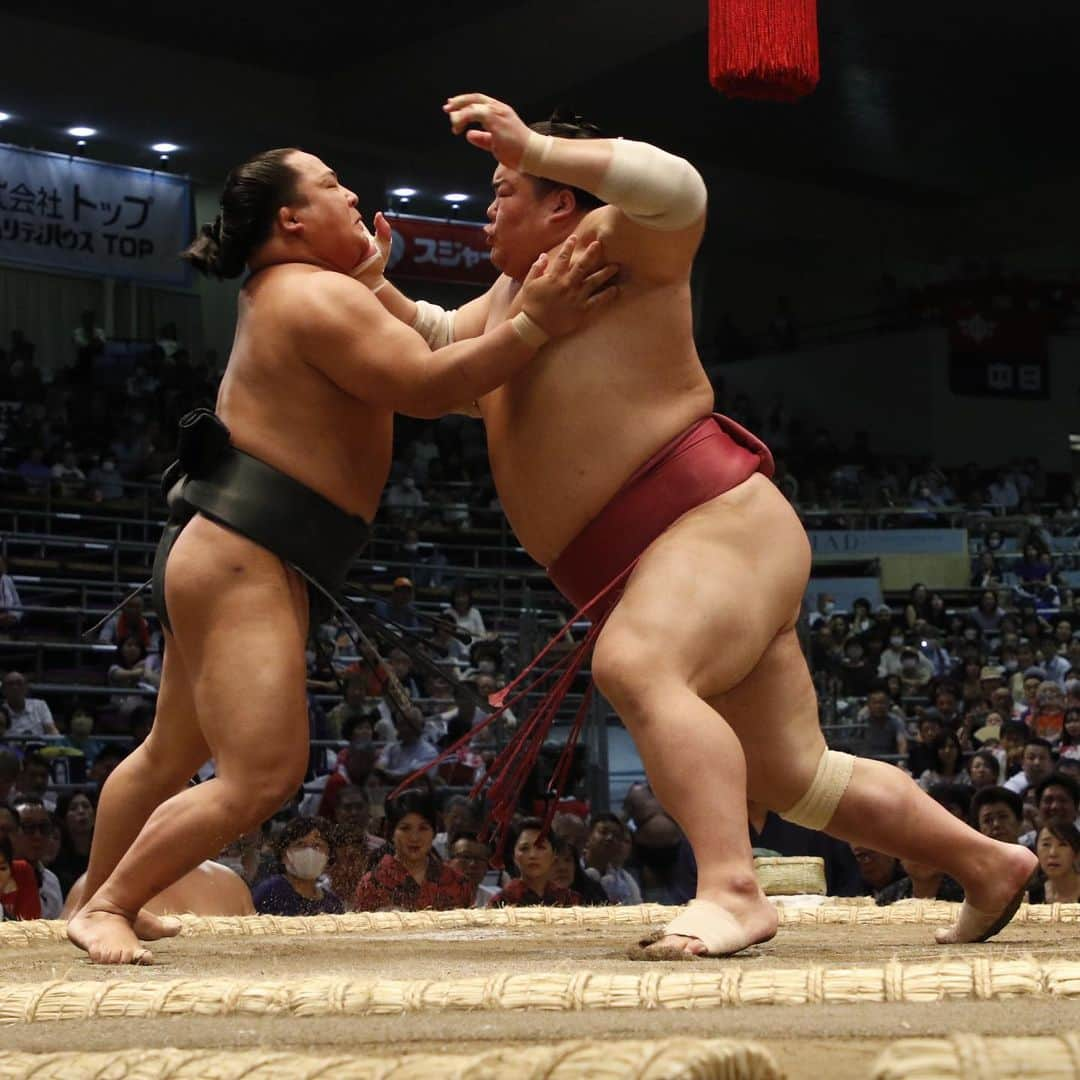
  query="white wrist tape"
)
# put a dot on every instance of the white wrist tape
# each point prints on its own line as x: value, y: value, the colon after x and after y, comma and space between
x: 816, y: 808
x: 650, y: 186
x: 434, y: 324
x: 530, y: 331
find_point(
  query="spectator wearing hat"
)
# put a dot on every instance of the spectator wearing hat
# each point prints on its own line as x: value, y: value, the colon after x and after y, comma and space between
x: 991, y: 678
x: 399, y: 607
x: 1036, y: 765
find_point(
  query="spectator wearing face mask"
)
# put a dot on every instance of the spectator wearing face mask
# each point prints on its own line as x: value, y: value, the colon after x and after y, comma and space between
x: 826, y: 605
x: 304, y: 848
x: 890, y: 661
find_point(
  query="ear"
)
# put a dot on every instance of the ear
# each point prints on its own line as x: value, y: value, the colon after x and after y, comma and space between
x: 562, y: 205
x: 288, y: 223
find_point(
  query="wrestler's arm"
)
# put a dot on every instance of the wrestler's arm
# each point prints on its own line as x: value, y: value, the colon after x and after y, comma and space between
x: 373, y: 356
x: 468, y: 321
x: 347, y: 334
x: 656, y: 201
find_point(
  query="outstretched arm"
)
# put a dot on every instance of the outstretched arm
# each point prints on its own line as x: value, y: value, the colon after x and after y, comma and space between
x: 658, y: 195
x: 346, y: 334
x: 436, y: 325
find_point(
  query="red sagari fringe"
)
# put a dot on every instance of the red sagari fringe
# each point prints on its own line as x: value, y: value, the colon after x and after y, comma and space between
x: 764, y: 49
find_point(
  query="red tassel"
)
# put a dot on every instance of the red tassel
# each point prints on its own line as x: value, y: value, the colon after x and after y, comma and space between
x: 764, y: 49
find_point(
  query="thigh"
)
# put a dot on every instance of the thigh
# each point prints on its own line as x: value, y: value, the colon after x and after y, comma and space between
x: 240, y: 619
x: 774, y: 713
x: 709, y: 595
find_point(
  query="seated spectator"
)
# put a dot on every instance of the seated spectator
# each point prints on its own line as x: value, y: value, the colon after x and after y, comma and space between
x: 986, y: 573
x: 32, y: 841
x: 401, y: 664
x: 984, y: 770
x: 886, y: 731
x: 75, y: 814
x: 606, y: 852
x: 931, y: 647
x: 68, y: 478
x: 104, y: 479
x: 133, y: 667
x: 18, y: 886
x: 129, y: 621
x: 1058, y: 849
x: 825, y: 606
x: 411, y: 877
x: 242, y: 857
x: 353, y: 811
x: 1070, y: 736
x: 916, y: 671
x: 399, y: 608
x: 571, y: 828
x: 34, y: 472
x: 1036, y: 765
x: 80, y: 734
x: 459, y: 815
x: 988, y: 613
x: 212, y: 888
x: 921, y: 882
x: 956, y: 798
x: 34, y: 780
x: 25, y: 715
x: 1034, y: 569
x: 656, y: 837
x: 1058, y: 801
x: 102, y: 766
x: 355, y: 768
x: 877, y: 870
x: 467, y: 617
x: 1047, y: 718
x: 9, y: 771
x: 856, y: 674
x: 11, y: 612
x: 533, y: 861
x: 353, y: 857
x: 945, y: 763
x: 568, y: 873
x: 1014, y: 734
x: 445, y: 646
x: 470, y: 857
x: 890, y: 661
x: 410, y: 752
x: 998, y: 813
x: 355, y: 706
x: 304, y: 848
x: 403, y: 500
x: 930, y: 728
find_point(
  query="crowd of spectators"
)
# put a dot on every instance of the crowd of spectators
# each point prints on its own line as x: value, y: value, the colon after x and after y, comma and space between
x: 979, y: 701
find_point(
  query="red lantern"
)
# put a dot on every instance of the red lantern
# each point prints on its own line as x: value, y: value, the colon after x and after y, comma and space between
x: 764, y: 49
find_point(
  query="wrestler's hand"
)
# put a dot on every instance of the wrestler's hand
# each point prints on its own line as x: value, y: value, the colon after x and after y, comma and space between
x: 504, y: 133
x: 370, y: 271
x: 560, y: 292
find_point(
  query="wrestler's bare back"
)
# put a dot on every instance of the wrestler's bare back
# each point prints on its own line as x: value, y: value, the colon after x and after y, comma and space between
x: 565, y: 433
x: 285, y: 411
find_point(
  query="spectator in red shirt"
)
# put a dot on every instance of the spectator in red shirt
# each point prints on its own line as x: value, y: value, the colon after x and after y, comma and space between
x: 18, y: 886
x: 534, y: 858
x: 412, y: 877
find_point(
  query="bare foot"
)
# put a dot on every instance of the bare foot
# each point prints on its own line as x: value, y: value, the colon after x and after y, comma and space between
x: 151, y: 927
x: 725, y: 927
x: 106, y: 934
x: 993, y: 899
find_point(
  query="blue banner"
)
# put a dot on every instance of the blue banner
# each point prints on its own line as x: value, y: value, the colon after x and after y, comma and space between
x: 870, y: 542
x: 70, y: 214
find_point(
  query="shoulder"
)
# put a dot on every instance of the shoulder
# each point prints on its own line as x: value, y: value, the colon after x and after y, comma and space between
x: 322, y: 300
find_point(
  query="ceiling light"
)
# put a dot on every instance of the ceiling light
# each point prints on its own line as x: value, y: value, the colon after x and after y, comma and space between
x: 164, y: 147
x: 82, y: 132
x: 4, y: 116
x: 455, y: 197
x: 404, y: 192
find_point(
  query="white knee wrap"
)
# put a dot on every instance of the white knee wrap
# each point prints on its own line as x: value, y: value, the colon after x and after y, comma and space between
x: 816, y: 808
x: 434, y: 324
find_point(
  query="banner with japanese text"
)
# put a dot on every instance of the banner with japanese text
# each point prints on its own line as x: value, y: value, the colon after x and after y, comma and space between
x: 70, y: 214
x: 437, y: 250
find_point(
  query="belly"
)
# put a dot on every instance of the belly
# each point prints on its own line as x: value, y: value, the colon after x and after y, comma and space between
x: 560, y: 452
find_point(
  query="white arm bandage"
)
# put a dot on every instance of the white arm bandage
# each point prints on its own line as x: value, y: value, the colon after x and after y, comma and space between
x: 650, y: 186
x: 434, y: 324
